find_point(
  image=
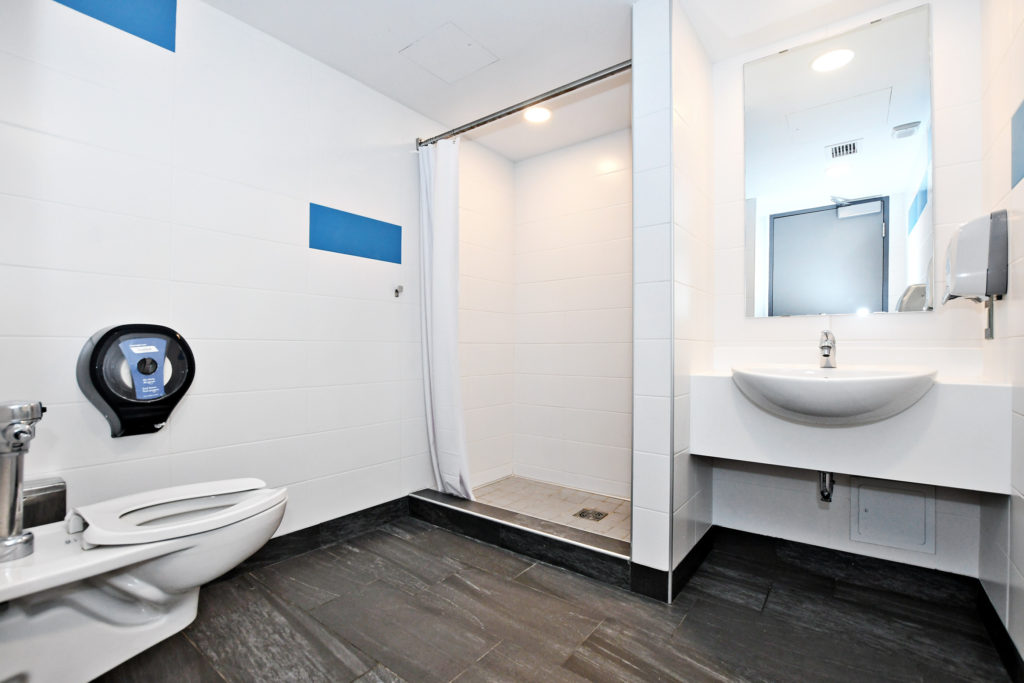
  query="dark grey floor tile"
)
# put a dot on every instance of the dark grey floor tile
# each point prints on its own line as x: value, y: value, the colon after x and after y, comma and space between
x: 425, y: 566
x: 750, y: 547
x: 412, y: 602
x: 730, y: 558
x: 962, y: 620
x: 615, y: 652
x: 890, y: 635
x: 756, y: 646
x: 278, y: 549
x: 174, y: 660
x: 380, y: 674
x: 309, y: 580
x: 711, y: 583
x: 547, y: 626
x: 421, y: 636
x: 869, y: 572
x: 601, y: 601
x: 350, y: 526
x: 249, y: 634
x: 508, y: 662
x: 463, y: 550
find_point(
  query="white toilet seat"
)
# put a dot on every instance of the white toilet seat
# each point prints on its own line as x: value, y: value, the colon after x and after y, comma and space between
x: 163, y: 514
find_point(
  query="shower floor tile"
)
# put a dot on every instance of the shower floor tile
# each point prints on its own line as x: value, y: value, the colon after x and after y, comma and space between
x: 558, y: 504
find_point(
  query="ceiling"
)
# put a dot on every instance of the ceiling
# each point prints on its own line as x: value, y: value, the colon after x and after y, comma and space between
x: 410, y: 50
x: 731, y: 27
x: 458, y: 60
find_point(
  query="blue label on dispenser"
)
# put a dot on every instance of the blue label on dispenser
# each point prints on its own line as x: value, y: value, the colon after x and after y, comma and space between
x: 145, y: 356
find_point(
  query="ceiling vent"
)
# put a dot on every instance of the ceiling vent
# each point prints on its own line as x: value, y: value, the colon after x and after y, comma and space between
x: 843, y: 149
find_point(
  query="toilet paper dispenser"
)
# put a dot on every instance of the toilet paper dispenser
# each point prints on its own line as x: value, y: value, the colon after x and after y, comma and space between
x: 135, y: 375
x: 977, y: 262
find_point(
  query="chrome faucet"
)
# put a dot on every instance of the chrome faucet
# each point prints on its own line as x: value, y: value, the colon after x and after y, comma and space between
x: 17, y: 429
x: 827, y: 344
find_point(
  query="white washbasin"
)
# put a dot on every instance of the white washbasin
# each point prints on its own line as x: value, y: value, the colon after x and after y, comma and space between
x: 833, y: 396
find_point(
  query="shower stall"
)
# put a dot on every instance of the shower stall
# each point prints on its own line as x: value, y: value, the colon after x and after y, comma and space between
x: 545, y: 310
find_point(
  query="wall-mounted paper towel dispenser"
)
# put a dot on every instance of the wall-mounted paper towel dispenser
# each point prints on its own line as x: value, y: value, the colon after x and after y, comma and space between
x: 977, y: 258
x: 977, y: 262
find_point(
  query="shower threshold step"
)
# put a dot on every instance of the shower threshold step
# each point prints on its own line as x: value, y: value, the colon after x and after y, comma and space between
x: 600, y: 557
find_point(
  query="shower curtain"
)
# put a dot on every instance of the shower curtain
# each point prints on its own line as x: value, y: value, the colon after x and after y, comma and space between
x: 439, y: 315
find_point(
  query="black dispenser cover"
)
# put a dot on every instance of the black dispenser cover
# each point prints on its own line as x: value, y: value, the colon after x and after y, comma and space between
x: 135, y: 374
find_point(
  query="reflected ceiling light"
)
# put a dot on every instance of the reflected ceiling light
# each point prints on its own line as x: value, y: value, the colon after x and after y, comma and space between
x: 536, y: 114
x: 608, y: 166
x: 832, y: 60
x: 863, y: 311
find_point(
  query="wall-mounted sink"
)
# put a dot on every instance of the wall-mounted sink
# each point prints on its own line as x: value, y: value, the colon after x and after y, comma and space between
x: 833, y: 396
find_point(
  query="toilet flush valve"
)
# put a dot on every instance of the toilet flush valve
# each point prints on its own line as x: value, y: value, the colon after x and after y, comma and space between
x: 17, y: 429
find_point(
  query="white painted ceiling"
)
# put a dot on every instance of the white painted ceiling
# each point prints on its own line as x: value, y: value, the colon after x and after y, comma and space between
x: 457, y: 60
x: 402, y: 48
x: 731, y: 27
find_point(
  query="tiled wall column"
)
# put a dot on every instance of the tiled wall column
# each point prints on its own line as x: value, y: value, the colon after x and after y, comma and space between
x: 1001, y: 555
x: 652, y: 284
x: 692, y: 259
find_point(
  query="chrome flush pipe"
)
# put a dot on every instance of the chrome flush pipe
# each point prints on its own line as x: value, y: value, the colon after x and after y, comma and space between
x: 827, y: 344
x: 17, y: 429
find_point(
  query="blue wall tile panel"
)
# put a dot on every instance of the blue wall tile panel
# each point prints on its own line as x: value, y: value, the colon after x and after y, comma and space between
x: 348, y: 233
x: 152, y: 20
x: 1017, y: 146
x: 917, y: 206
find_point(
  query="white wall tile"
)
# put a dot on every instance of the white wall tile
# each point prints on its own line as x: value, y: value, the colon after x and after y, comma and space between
x: 650, y: 472
x: 53, y: 169
x: 652, y: 253
x: 652, y: 425
x: 546, y: 267
x: 651, y: 538
x: 215, y: 204
x: 43, y: 234
x: 80, y: 109
x: 653, y: 368
x: 205, y: 161
x: 652, y: 197
x: 652, y: 317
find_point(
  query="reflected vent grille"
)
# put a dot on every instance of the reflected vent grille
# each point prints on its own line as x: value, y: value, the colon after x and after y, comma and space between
x: 844, y: 149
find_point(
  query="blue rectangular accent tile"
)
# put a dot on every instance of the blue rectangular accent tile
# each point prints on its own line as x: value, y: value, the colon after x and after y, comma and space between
x: 152, y: 20
x: 917, y: 206
x: 349, y: 233
x: 1017, y: 146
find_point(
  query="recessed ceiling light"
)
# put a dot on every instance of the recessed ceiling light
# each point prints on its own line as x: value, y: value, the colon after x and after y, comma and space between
x: 536, y: 114
x: 832, y: 60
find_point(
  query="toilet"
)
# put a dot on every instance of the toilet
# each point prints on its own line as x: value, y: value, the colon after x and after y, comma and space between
x: 116, y: 577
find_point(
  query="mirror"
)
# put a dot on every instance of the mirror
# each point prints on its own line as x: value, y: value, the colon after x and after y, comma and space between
x: 838, y: 149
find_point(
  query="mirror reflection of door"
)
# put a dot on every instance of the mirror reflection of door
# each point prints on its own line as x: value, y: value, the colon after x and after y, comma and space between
x: 829, y: 259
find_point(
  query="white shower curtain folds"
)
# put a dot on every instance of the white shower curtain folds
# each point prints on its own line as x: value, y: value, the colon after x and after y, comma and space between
x: 439, y: 316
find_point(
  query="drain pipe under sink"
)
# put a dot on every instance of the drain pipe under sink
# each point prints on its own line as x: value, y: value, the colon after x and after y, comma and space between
x: 826, y: 481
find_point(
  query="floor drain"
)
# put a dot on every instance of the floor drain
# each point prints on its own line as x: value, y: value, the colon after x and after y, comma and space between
x: 587, y: 513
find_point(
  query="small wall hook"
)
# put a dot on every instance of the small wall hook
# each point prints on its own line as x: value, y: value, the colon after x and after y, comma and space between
x: 398, y: 291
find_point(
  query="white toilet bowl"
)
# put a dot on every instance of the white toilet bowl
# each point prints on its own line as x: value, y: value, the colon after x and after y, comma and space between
x: 120, y: 576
